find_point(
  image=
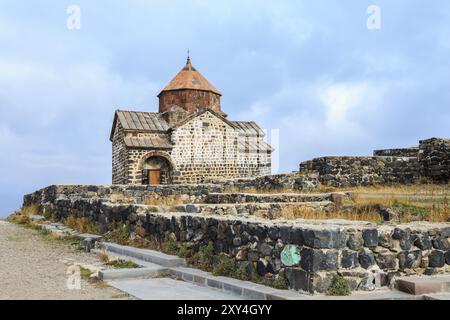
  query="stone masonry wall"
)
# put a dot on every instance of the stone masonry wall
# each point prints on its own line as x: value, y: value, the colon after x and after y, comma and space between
x: 434, y: 158
x: 310, y: 253
x: 207, y: 148
x: 355, y: 171
x: 430, y: 161
x: 119, y: 157
x: 403, y: 152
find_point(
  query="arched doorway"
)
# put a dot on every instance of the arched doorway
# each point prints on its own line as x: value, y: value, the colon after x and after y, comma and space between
x: 157, y: 170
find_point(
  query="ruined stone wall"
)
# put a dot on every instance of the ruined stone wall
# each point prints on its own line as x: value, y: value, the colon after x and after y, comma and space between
x: 434, y: 158
x: 403, y: 152
x: 119, y: 157
x: 310, y: 253
x: 430, y: 161
x: 355, y: 171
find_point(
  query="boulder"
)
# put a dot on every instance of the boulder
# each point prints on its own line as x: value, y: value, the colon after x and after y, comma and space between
x: 436, y: 259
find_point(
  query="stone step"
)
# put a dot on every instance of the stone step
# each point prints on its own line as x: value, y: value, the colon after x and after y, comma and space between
x: 169, y: 289
x: 137, y: 273
x: 237, y: 288
x: 247, y: 209
x: 420, y: 285
x: 437, y: 296
x: 144, y: 255
x: 218, y: 198
x: 243, y: 289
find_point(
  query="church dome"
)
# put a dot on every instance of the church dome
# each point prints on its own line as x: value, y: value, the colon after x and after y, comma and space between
x: 190, y: 78
x: 190, y: 91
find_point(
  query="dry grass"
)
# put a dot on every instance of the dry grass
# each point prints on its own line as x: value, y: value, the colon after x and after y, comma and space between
x: 82, y: 225
x: 301, y: 212
x: 156, y: 200
x: 23, y: 217
x: 410, y: 202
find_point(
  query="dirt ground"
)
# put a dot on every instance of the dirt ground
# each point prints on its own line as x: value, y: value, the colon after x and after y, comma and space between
x: 34, y: 268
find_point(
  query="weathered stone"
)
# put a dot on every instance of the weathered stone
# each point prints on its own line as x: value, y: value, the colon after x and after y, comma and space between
x: 253, y: 256
x: 436, y: 259
x: 385, y: 239
x: 387, y: 260
x: 349, y: 259
x: 266, y: 249
x: 297, y: 236
x: 401, y: 234
x: 441, y: 243
x: 409, y: 260
x: 261, y: 267
x: 447, y: 257
x: 290, y: 256
x: 237, y: 241
x: 423, y: 242
x: 241, y: 255
x: 325, y: 239
x: 355, y: 241
x: 329, y: 260
x: 366, y: 259
x: 299, y: 280
x: 315, y: 260
x: 370, y: 237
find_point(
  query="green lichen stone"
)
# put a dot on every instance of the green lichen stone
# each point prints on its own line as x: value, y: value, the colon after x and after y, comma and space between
x: 290, y: 256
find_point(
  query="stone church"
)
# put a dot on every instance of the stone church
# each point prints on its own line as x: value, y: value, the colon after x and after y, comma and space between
x: 190, y: 139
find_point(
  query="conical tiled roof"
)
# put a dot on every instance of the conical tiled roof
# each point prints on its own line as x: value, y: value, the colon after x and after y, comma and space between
x: 190, y: 78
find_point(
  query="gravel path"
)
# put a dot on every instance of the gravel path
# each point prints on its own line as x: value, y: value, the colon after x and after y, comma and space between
x: 32, y: 267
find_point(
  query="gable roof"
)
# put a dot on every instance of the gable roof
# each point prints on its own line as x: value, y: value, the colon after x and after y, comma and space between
x: 190, y: 78
x: 199, y: 113
x: 148, y: 142
x: 139, y: 121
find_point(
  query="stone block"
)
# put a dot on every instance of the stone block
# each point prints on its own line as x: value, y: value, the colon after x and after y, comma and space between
x: 436, y: 259
x: 349, y: 259
x: 325, y: 239
x: 410, y: 260
x: 366, y: 258
x: 370, y: 237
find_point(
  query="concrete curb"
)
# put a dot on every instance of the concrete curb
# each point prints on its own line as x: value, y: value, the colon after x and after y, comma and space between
x: 121, y: 274
x: 144, y: 255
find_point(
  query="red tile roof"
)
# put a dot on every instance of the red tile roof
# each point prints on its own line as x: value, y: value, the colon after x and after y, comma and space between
x: 190, y: 78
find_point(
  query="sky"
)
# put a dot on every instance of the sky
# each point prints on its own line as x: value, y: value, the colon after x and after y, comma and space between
x: 313, y: 70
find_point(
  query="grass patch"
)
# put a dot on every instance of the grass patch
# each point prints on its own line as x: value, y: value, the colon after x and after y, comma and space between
x: 85, y: 273
x: 23, y: 217
x: 203, y: 258
x: 82, y: 225
x: 170, y: 246
x: 302, y: 212
x: 124, y: 264
x: 120, y: 235
x: 339, y: 287
x: 226, y: 267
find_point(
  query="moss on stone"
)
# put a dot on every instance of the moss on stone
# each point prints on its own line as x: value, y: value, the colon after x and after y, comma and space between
x: 339, y: 287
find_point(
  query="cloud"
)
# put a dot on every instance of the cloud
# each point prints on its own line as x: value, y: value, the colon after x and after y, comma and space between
x: 311, y: 70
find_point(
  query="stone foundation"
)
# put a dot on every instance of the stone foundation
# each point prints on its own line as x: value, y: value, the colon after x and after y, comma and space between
x: 309, y: 252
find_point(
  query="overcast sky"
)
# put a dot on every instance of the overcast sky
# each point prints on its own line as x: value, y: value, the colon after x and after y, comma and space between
x: 311, y: 69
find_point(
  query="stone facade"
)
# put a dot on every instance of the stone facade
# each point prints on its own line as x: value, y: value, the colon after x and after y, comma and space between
x: 189, y: 141
x: 430, y: 161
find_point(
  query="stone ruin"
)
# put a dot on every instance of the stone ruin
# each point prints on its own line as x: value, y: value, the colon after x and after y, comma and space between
x: 429, y: 162
x: 247, y: 226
